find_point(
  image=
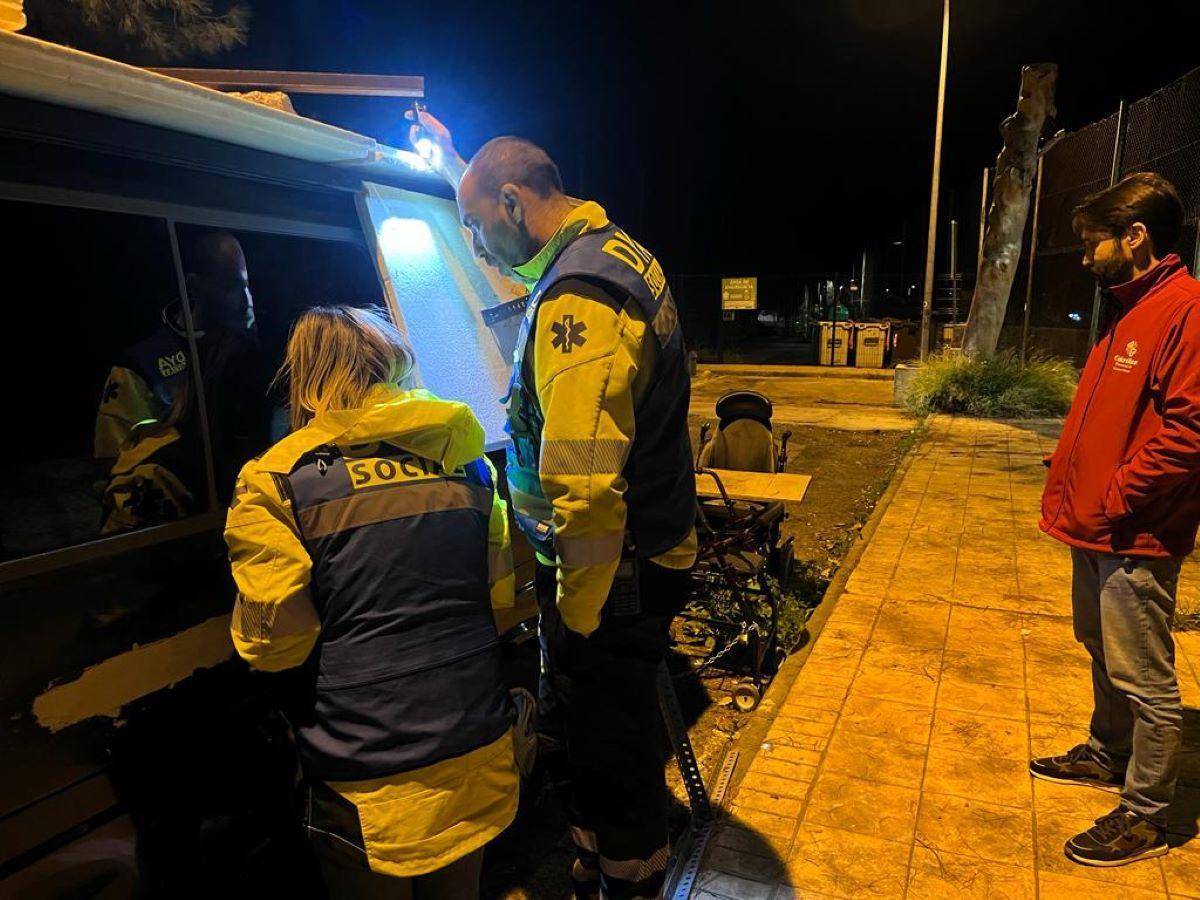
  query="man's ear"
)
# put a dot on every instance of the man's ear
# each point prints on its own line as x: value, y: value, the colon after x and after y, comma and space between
x: 510, y: 200
x: 1138, y: 237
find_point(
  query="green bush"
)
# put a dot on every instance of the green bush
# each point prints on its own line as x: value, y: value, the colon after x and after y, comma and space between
x: 998, y: 388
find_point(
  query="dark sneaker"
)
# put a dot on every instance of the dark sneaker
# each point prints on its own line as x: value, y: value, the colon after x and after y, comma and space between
x: 1077, y: 766
x: 1116, y: 839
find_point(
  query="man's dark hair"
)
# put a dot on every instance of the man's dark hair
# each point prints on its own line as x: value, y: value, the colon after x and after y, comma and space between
x: 1144, y: 197
x: 514, y: 160
x: 211, y: 251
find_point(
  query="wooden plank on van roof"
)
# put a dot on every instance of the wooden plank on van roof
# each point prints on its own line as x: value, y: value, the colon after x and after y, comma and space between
x: 303, y: 82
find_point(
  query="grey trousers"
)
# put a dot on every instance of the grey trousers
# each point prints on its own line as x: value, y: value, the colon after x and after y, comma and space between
x: 1122, y: 610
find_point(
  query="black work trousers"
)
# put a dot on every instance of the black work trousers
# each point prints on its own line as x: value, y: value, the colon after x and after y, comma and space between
x: 602, y: 736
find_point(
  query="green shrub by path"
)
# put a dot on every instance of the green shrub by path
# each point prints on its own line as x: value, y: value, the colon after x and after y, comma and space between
x: 996, y: 388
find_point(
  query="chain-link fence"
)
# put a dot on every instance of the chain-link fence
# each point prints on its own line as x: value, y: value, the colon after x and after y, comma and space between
x: 1160, y: 133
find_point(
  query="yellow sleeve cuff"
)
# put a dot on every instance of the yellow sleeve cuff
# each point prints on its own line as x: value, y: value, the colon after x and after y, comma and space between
x: 277, y: 654
x: 582, y: 593
x: 504, y: 593
x: 681, y: 556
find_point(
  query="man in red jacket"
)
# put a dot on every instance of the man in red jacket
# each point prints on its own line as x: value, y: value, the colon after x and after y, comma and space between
x: 1124, y: 492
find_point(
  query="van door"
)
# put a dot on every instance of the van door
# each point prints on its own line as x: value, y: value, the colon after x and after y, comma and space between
x: 461, y: 317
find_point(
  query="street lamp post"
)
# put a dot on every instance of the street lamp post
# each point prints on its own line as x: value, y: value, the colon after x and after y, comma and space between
x: 927, y: 301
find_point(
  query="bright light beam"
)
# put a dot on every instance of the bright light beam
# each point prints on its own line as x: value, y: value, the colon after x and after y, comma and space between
x: 407, y: 239
x: 429, y: 151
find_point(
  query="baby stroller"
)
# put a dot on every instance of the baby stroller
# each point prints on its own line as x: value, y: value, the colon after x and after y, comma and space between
x: 741, y: 565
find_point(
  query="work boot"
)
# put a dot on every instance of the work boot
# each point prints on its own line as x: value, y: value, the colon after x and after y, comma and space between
x: 1117, y: 838
x: 525, y: 737
x: 1077, y: 766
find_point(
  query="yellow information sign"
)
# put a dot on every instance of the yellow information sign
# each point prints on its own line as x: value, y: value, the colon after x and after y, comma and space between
x: 739, y: 293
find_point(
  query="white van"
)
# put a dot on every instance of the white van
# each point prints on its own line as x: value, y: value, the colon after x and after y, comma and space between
x: 133, y: 747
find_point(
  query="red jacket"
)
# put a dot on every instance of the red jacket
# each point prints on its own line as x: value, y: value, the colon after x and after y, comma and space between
x: 1125, y: 477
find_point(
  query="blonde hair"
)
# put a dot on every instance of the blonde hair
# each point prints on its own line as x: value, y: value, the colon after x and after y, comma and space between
x: 336, y: 354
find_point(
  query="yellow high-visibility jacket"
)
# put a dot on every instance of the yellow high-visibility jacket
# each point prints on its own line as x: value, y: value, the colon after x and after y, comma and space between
x: 588, y: 382
x: 422, y: 819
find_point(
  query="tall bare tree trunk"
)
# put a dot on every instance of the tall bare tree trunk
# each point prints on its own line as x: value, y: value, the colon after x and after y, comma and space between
x: 1015, y: 169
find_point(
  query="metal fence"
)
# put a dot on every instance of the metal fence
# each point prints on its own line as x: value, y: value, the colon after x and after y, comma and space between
x: 1160, y: 133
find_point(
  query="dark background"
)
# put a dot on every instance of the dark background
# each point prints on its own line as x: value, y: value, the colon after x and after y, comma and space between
x: 741, y: 138
x: 771, y: 139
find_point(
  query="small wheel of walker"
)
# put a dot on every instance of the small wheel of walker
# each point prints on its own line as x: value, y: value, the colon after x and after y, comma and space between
x: 784, y: 563
x: 746, y: 696
x: 781, y: 656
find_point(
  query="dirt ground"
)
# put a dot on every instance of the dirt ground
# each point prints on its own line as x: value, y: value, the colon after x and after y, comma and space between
x: 850, y: 470
x: 840, y: 401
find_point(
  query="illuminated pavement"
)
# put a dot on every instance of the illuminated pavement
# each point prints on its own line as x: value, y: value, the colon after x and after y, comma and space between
x: 895, y: 765
x: 846, y: 399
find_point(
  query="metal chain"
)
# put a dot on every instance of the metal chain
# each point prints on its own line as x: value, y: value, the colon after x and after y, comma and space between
x: 717, y: 656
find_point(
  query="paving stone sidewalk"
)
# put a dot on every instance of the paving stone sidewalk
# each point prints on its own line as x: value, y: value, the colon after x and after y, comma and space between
x: 897, y: 764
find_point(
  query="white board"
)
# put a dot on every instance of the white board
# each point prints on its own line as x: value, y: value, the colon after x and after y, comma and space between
x: 438, y: 291
x: 760, y: 486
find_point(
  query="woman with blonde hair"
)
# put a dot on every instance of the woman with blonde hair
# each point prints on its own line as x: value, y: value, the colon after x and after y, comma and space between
x: 370, y: 546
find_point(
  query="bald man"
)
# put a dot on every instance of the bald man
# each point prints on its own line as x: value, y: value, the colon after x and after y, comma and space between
x: 147, y: 437
x: 602, y: 485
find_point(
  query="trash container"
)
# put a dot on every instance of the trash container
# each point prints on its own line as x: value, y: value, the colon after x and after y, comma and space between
x: 952, y: 335
x: 906, y: 342
x: 835, y: 342
x: 870, y: 344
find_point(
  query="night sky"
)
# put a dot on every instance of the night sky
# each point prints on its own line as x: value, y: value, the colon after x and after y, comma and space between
x: 741, y: 138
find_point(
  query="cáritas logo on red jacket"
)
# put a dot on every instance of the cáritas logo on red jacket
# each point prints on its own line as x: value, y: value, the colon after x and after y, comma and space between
x: 1127, y: 362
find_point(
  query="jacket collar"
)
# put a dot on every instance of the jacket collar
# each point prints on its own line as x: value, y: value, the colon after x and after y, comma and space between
x: 414, y: 420
x: 1130, y: 293
x: 584, y: 217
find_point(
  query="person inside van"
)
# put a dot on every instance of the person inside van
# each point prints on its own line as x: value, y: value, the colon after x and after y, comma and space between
x: 148, y: 443
x: 370, y: 547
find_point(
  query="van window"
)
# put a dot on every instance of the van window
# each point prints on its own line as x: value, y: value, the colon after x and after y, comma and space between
x: 246, y: 315
x: 100, y: 400
x: 463, y: 317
